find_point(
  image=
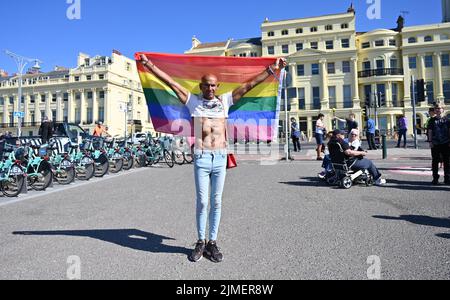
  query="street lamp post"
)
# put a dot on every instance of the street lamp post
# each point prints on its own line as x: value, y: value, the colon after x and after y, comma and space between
x: 21, y: 63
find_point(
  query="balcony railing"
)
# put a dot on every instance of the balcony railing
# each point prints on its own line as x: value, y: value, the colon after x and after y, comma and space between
x: 380, y: 72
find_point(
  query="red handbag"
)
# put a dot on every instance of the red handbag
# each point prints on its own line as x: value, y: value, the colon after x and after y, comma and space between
x: 231, y: 161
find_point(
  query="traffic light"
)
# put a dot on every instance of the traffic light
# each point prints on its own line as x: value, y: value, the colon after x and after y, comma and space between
x: 420, y: 84
x: 381, y: 99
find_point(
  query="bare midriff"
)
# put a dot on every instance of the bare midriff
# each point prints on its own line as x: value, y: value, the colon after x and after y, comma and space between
x: 210, y: 133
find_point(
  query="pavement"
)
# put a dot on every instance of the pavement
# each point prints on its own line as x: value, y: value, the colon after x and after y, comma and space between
x: 279, y: 222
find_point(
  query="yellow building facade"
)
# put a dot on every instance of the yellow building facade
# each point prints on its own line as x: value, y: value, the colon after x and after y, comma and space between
x: 336, y: 70
x: 100, y: 88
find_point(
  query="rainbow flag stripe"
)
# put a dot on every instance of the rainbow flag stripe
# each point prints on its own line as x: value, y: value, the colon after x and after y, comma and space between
x: 254, y: 117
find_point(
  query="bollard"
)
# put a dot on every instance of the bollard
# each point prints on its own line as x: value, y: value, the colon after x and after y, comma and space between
x: 384, y: 144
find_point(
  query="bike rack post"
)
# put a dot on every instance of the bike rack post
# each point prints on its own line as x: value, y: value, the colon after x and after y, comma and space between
x: 384, y: 144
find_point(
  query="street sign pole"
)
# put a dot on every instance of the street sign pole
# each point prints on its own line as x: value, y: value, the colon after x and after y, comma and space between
x: 414, y: 113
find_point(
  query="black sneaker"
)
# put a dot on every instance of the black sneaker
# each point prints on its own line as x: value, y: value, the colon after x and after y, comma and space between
x: 435, y: 182
x: 213, y: 252
x: 197, y: 254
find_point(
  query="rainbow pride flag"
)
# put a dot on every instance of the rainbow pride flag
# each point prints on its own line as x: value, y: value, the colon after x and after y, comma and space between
x: 254, y: 117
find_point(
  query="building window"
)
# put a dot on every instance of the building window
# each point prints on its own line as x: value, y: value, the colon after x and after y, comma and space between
x: 77, y: 78
x: 300, y: 70
x: 65, y: 115
x: 366, y: 65
x: 253, y: 54
x: 331, y: 68
x: 89, y: 116
x: 329, y: 45
x: 285, y: 49
x: 54, y: 115
x: 344, y: 26
x: 77, y: 115
x: 11, y: 100
x: 53, y: 97
x: 346, y: 67
x: 32, y: 117
x: 379, y: 43
x: 348, y: 103
x: 299, y: 30
x: 101, y: 114
x: 444, y: 37
x: 313, y: 29
x: 446, y: 88
x: 315, y: 69
x: 412, y: 40
x: 314, y: 45
x: 329, y: 27
x: 395, y: 95
x: 243, y: 55
x: 271, y: 33
x: 365, y: 45
x: 2, y: 102
x: 301, y: 99
x: 332, y: 96
x: 43, y: 98
x: 299, y: 46
x: 101, y: 94
x: 316, y: 97
x: 77, y: 96
x: 412, y: 62
x: 89, y: 77
x: 271, y: 50
x: 345, y: 43
x: 128, y: 66
x: 89, y: 95
x: 392, y: 43
x: 430, y: 92
x: 66, y: 97
x: 394, y: 63
x: 285, y: 32
x: 428, y: 61
x: 101, y: 76
x: 445, y: 60
x: 428, y: 38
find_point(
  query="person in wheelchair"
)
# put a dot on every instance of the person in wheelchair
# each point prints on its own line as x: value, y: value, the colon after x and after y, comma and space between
x: 345, y: 160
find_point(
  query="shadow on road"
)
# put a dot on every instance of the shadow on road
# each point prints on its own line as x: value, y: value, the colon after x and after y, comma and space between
x: 422, y: 220
x: 129, y: 238
x: 307, y: 181
x: 415, y: 185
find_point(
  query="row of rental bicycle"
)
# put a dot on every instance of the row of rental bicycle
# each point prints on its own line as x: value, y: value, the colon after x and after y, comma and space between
x: 27, y: 166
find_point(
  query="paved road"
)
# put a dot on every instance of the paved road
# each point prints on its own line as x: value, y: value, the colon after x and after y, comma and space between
x: 278, y: 222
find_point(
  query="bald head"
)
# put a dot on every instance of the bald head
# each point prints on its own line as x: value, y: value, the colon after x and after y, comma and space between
x: 209, y: 86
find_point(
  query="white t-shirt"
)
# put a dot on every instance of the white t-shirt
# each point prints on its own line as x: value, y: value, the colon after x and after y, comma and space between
x: 202, y: 108
x: 319, y: 130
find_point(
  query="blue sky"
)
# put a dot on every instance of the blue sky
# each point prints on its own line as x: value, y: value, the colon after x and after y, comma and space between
x: 41, y: 29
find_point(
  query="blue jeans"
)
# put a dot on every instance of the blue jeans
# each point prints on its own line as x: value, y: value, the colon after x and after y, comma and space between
x: 365, y: 164
x: 210, y: 172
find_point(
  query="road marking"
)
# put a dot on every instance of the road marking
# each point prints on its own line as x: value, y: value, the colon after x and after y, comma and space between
x: 417, y: 171
x: 77, y: 184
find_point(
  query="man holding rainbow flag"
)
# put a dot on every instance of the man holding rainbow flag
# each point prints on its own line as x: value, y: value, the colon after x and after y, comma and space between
x: 168, y: 79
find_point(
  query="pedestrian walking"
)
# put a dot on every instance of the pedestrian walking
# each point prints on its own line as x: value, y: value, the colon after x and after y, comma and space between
x: 295, y: 135
x: 350, y: 123
x: 439, y: 137
x: 46, y: 130
x: 209, y: 113
x: 370, y: 133
x: 402, y: 131
x: 320, y: 135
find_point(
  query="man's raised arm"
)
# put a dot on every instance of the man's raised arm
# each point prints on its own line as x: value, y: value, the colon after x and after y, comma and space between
x: 246, y: 87
x: 181, y: 92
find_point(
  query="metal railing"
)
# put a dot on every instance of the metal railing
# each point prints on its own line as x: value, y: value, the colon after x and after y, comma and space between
x: 380, y: 72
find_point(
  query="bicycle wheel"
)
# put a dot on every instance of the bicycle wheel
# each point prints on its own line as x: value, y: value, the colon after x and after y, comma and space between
x: 188, y: 158
x: 44, y: 178
x: 12, y: 187
x: 168, y: 158
x: 128, y: 161
x: 101, y: 166
x: 66, y: 174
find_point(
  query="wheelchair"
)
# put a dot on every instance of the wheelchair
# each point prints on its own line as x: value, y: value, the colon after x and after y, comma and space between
x: 344, y: 176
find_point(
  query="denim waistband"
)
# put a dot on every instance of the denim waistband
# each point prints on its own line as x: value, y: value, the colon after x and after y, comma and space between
x: 215, y: 152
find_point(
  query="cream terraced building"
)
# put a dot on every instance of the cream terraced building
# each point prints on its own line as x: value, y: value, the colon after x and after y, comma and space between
x: 98, y: 89
x: 336, y: 70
